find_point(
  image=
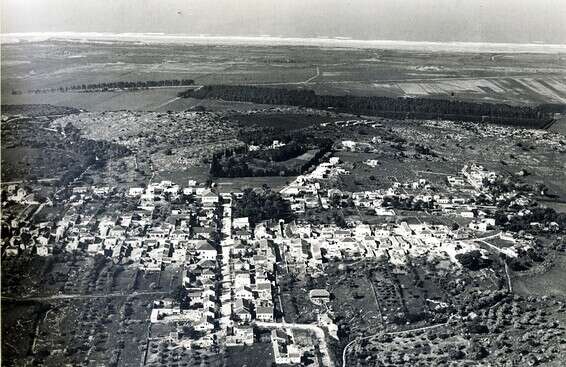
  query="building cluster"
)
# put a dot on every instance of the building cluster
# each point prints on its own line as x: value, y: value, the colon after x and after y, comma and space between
x: 307, y: 248
x: 229, y: 274
x: 477, y: 175
x: 20, y: 194
x: 356, y: 146
x: 229, y: 265
x: 305, y: 191
x: 248, y: 276
x: 23, y: 237
x: 229, y: 277
x: 350, y: 123
x: 274, y: 145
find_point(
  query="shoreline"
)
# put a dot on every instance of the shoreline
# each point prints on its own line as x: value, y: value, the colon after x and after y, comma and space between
x: 337, y: 42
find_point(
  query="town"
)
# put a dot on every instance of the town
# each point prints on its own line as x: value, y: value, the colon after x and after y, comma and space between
x: 282, y: 183
x: 230, y: 268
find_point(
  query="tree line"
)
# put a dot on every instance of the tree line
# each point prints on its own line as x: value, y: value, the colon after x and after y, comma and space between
x: 392, y: 107
x: 107, y: 86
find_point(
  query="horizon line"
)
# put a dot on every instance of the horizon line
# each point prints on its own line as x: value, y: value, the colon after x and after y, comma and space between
x: 322, y: 41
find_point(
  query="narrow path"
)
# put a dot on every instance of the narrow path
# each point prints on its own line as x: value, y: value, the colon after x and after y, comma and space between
x: 81, y: 296
x: 167, y: 102
x: 313, y: 77
x: 408, y: 80
x: 377, y: 304
x: 79, y: 177
x: 509, y: 284
x: 37, y: 330
x: 493, y: 247
x: 435, y: 173
x: 498, y: 234
x: 281, y: 305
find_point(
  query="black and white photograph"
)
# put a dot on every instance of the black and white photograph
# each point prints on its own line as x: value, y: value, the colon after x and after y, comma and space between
x: 276, y: 183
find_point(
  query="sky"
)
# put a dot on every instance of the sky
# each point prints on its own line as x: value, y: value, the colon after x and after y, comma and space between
x: 505, y: 21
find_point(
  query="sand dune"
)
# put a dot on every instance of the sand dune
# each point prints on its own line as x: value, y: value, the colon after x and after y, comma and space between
x: 269, y: 40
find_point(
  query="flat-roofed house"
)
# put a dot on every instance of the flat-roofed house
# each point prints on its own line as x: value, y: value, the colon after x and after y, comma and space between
x: 206, y: 251
x: 264, y: 313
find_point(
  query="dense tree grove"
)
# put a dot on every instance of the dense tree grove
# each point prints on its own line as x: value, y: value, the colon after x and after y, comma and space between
x: 408, y: 203
x: 96, y: 152
x: 262, y: 136
x: 527, y: 258
x: 503, y: 184
x: 545, y: 217
x: 281, y: 154
x: 95, y: 87
x: 380, y: 106
x: 239, y: 162
x: 262, y: 204
x: 265, y: 135
x: 473, y: 260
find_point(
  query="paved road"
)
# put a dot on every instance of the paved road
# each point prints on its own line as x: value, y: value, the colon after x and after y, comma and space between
x: 326, y: 360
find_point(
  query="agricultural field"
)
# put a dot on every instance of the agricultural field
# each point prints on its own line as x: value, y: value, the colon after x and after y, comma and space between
x: 65, y: 273
x: 550, y: 282
x: 22, y: 162
x: 356, y: 306
x: 508, y: 90
x: 260, y: 354
x: 101, y: 297
x: 19, y: 324
x: 296, y: 304
x: 485, y: 338
x: 97, y: 339
x: 143, y: 100
x: 519, y: 78
x: 120, y: 173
